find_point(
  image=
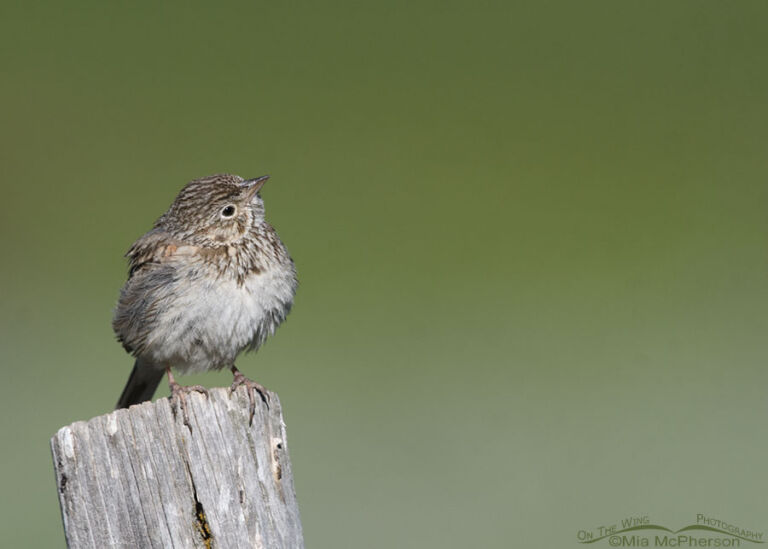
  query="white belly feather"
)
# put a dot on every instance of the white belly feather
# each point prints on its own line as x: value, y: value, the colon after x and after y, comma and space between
x: 211, y: 320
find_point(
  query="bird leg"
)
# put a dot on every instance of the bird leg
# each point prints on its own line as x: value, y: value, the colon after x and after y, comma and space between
x: 179, y: 396
x: 252, y: 387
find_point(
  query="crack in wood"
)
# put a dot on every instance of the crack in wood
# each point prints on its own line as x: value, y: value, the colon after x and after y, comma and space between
x: 201, y: 522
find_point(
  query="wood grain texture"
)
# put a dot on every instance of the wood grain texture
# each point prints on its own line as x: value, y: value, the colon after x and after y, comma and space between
x: 141, y: 478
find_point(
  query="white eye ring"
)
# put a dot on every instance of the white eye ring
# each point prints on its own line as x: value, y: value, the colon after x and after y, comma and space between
x: 228, y: 211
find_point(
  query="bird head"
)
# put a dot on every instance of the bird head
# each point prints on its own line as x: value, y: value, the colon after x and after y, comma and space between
x: 214, y: 211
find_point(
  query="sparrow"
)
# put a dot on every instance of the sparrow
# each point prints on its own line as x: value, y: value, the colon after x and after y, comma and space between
x: 210, y: 280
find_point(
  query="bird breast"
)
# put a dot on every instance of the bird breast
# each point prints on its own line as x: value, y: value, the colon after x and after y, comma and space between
x: 212, y: 316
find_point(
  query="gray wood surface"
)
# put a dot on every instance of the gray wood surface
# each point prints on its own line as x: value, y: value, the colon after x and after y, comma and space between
x: 142, y: 478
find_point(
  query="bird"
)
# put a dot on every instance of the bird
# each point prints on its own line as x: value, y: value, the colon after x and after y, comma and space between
x: 210, y: 280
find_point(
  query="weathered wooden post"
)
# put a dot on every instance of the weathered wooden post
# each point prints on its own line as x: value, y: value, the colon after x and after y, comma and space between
x: 141, y: 478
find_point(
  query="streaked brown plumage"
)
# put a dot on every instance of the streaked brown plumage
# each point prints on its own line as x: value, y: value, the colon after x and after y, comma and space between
x: 210, y: 279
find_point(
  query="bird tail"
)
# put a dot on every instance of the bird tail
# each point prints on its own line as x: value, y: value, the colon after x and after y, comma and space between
x: 141, y: 385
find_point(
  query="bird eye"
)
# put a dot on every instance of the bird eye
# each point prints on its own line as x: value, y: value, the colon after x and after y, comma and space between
x: 228, y: 211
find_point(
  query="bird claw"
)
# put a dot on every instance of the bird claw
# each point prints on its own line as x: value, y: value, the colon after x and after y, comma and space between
x: 178, y: 399
x: 251, y: 387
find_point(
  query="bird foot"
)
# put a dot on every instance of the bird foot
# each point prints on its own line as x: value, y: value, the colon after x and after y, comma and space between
x: 178, y: 399
x: 252, y: 387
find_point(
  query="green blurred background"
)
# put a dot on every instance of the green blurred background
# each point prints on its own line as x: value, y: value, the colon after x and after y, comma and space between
x: 531, y: 239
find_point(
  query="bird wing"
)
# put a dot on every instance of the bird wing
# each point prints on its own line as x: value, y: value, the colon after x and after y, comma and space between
x: 154, y: 248
x: 152, y: 278
x: 141, y: 301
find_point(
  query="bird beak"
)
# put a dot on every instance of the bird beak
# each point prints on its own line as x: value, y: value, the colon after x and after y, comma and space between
x: 254, y: 185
